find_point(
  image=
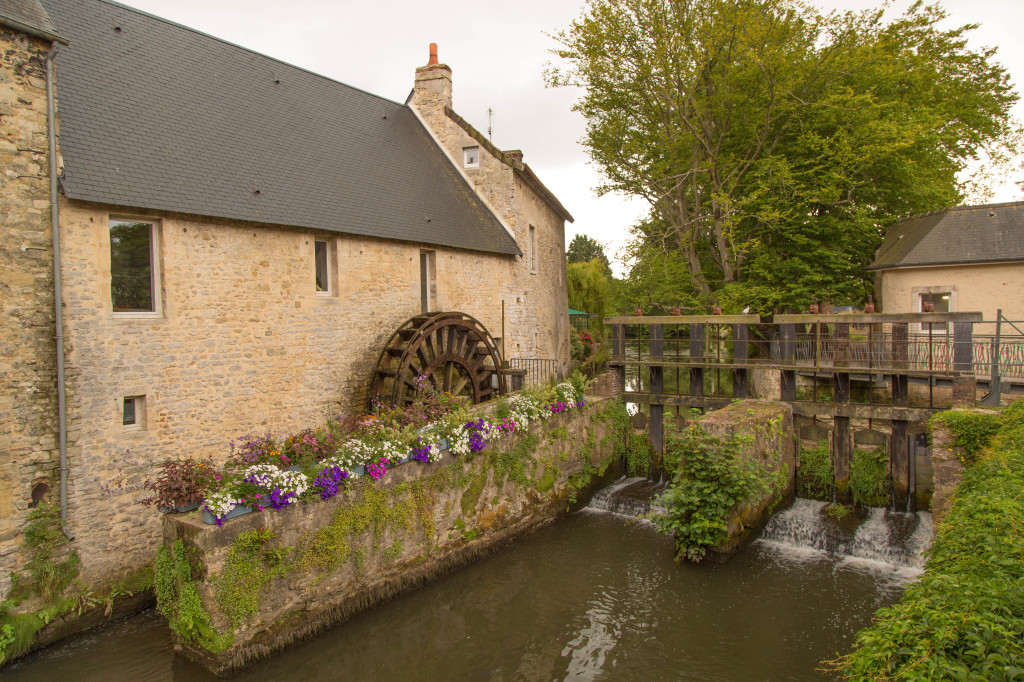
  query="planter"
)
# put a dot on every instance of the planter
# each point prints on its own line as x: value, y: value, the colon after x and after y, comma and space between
x: 359, y: 470
x: 237, y: 511
x: 183, y: 508
x: 294, y: 467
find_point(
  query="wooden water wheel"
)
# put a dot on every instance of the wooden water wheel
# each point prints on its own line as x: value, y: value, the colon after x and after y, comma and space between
x: 452, y: 350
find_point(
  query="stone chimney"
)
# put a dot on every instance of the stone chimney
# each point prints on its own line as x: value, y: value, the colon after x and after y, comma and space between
x: 433, y: 89
x: 516, y: 154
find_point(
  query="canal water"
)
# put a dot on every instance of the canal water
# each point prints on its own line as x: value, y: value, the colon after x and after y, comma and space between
x: 596, y: 596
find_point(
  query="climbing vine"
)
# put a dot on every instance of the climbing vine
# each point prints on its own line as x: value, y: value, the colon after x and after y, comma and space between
x: 250, y: 566
x: 178, y: 601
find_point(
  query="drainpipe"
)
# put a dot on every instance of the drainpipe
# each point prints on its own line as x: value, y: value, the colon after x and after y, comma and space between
x: 58, y: 309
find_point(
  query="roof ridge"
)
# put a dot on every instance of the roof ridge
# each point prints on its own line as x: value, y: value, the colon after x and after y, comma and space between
x: 962, y: 207
x: 144, y: 13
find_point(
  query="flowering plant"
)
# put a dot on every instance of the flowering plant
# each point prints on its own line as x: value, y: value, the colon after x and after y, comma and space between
x: 221, y: 503
x: 425, y: 452
x: 180, y: 482
x: 262, y: 449
x: 329, y: 480
x: 277, y: 489
x: 311, y: 445
x: 378, y: 468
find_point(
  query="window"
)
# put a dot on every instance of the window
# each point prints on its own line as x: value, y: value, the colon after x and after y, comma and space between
x: 532, y: 248
x: 428, y: 285
x: 471, y: 157
x: 134, y: 274
x: 936, y: 299
x: 322, y: 257
x: 133, y: 413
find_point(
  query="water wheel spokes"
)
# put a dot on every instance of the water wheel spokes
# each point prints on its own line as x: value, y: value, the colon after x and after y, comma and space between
x: 451, y: 350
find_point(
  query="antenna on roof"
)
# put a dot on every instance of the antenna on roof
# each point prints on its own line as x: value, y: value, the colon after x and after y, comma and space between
x: 489, y: 113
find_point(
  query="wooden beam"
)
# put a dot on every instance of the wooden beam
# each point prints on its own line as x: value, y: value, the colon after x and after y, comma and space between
x: 685, y: 319
x: 857, y: 410
x: 877, y: 318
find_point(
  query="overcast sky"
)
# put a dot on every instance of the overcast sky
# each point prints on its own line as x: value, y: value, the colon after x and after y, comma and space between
x: 497, y: 51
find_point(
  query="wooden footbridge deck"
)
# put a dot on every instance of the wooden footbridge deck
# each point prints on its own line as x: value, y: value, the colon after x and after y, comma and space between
x: 706, y: 361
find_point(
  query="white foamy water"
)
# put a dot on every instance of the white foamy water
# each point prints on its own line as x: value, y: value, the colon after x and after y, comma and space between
x: 884, y: 541
x: 632, y: 497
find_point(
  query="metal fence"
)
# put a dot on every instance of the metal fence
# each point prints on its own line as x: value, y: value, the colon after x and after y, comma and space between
x: 539, y: 371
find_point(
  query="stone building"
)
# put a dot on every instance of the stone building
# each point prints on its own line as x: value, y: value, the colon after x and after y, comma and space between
x: 237, y: 239
x: 957, y: 259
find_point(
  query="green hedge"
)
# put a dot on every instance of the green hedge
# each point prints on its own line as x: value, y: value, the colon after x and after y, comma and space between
x: 965, y: 618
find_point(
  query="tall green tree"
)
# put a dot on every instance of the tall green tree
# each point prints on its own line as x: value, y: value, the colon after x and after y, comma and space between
x: 589, y: 288
x: 583, y: 248
x: 774, y: 144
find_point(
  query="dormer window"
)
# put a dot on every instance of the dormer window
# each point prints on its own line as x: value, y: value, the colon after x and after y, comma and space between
x: 471, y: 157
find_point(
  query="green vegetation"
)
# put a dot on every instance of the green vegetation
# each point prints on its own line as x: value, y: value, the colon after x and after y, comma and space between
x: 870, y: 482
x: 708, y: 484
x: 178, y: 601
x: 638, y: 455
x: 46, y: 578
x: 814, y: 477
x: 971, y: 430
x: 250, y: 566
x: 774, y: 143
x: 965, y: 618
x: 589, y: 286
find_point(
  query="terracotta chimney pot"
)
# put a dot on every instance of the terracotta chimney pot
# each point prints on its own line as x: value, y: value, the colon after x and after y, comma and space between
x: 433, y: 54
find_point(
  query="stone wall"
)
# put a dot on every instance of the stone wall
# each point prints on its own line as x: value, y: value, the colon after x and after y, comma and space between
x: 769, y: 426
x: 28, y: 360
x: 244, y: 344
x: 376, y: 539
x: 539, y: 292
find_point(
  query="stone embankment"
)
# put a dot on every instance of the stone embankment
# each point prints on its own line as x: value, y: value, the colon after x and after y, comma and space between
x: 242, y: 591
x: 767, y: 439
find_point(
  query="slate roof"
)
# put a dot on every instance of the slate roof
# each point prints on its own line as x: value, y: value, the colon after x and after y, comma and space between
x: 157, y: 115
x: 29, y: 17
x: 964, y: 234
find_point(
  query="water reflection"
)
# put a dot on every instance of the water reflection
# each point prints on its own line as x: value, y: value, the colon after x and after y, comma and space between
x: 593, y: 597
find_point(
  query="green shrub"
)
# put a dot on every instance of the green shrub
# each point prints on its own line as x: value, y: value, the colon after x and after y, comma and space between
x: 965, y: 618
x: 706, y: 487
x: 814, y: 477
x: 638, y: 455
x: 971, y: 431
x: 870, y: 481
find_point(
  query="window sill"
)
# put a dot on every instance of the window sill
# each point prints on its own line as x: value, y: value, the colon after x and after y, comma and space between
x: 138, y: 316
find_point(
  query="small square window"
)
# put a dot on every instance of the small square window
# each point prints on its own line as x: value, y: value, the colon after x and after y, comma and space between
x: 133, y: 267
x: 471, y: 157
x: 133, y: 412
x: 322, y: 257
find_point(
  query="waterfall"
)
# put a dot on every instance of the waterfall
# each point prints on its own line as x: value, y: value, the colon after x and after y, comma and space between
x: 883, y: 537
x: 627, y: 497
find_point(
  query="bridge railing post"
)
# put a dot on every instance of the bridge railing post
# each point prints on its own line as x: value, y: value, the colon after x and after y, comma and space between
x: 739, y: 356
x: 657, y: 426
x: 787, y: 346
x: 697, y: 342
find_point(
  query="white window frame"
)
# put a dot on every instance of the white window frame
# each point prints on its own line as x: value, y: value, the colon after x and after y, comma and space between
x: 466, y: 163
x: 331, y: 285
x: 138, y: 412
x: 154, y: 270
x: 531, y: 248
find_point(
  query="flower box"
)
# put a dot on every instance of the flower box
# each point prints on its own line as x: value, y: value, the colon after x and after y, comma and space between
x: 237, y: 511
x: 184, y: 508
x: 358, y: 470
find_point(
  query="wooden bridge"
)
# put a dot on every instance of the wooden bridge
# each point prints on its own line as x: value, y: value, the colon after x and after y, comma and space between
x: 904, y: 368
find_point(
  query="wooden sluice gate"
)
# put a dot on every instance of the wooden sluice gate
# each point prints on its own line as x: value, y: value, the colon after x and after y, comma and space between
x: 896, y: 369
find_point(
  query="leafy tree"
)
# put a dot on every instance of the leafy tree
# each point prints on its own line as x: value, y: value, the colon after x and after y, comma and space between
x: 773, y: 143
x: 583, y: 249
x: 589, y: 288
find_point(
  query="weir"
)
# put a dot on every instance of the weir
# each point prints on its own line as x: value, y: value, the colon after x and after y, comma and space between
x: 857, y: 379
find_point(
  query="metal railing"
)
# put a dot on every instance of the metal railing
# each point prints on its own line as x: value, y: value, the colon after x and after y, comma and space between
x: 539, y: 371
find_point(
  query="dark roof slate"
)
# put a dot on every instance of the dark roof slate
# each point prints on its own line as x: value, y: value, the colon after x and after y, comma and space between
x: 29, y: 17
x: 160, y: 116
x: 963, y: 234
